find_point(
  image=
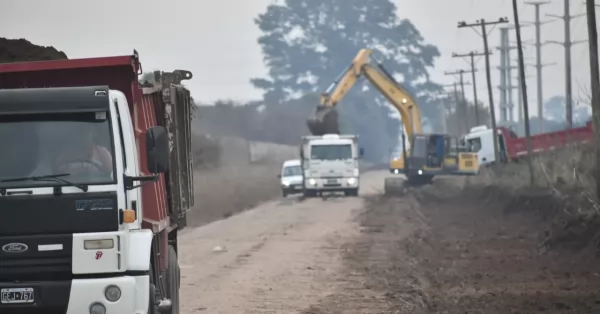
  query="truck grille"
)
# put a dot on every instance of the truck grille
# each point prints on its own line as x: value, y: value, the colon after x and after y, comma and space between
x: 35, y: 268
x: 35, y: 262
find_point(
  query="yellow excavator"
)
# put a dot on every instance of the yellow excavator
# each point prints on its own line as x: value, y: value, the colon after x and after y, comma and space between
x: 426, y: 156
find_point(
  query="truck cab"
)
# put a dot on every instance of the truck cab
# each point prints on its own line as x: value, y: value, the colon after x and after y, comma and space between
x: 95, y: 180
x: 330, y: 164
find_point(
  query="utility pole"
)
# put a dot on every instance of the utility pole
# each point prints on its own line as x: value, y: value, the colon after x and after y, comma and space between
x: 568, y: 72
x: 456, y: 107
x: 464, y: 105
x: 538, y: 55
x: 472, y: 55
x: 505, y: 103
x: 482, y: 23
x: 523, y: 83
x: 594, y: 83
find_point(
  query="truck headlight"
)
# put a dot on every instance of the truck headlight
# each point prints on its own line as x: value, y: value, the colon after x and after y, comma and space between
x: 420, y: 172
x: 101, y: 244
x: 97, y: 308
x: 312, y: 181
x: 112, y: 293
x: 351, y: 181
x: 285, y: 183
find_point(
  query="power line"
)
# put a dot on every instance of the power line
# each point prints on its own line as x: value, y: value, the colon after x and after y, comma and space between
x: 482, y: 23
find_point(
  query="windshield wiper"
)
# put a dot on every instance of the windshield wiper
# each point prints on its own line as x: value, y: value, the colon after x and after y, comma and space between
x: 49, y: 177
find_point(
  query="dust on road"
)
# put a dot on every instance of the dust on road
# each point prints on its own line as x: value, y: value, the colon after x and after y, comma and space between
x: 433, y: 250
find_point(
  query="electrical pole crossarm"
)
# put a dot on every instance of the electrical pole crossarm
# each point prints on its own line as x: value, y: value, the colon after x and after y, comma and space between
x: 474, y: 53
x: 459, y: 72
x: 501, y: 20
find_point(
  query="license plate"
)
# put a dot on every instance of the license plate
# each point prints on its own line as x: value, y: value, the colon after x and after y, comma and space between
x: 16, y: 295
x: 332, y: 181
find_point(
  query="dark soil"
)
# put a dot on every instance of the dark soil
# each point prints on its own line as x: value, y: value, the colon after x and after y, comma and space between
x: 18, y: 50
x: 477, y: 251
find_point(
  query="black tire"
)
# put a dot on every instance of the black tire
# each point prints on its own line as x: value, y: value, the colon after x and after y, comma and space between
x: 152, y: 299
x: 309, y: 193
x: 352, y: 193
x: 173, y: 280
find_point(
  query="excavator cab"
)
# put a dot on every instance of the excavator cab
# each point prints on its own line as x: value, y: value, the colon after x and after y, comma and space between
x: 430, y: 155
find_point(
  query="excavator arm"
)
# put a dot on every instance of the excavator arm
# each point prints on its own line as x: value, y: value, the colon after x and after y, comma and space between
x: 324, y: 119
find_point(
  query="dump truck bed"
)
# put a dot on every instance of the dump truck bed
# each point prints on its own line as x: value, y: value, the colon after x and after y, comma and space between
x: 167, y: 200
x: 517, y: 146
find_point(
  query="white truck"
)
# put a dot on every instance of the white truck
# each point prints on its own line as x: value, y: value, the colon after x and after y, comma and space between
x: 96, y: 179
x: 330, y: 164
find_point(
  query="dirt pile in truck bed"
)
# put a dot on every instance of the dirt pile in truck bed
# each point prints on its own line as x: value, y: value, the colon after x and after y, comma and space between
x: 443, y: 250
x: 18, y: 50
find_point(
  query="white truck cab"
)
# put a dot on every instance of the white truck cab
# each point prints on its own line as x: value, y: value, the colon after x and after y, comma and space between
x: 330, y: 164
x: 291, y: 177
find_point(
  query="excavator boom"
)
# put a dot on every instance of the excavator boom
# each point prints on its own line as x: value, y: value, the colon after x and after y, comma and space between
x: 324, y: 119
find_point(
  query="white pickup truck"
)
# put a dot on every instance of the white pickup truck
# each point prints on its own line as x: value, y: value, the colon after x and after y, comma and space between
x: 330, y: 164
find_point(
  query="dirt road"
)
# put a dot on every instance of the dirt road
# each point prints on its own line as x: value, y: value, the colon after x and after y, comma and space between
x: 278, y: 258
x: 432, y: 251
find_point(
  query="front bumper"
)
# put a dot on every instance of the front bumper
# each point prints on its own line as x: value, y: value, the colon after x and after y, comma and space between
x: 78, y: 295
x: 332, y: 184
x: 292, y: 188
x: 435, y: 172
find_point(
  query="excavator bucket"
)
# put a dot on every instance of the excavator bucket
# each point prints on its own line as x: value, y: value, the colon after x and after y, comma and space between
x: 324, y: 120
x: 394, y: 186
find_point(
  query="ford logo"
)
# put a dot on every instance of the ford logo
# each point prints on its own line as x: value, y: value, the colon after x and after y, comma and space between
x: 15, y: 247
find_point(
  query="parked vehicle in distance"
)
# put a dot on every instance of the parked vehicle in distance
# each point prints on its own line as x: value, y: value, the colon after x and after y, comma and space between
x: 511, y: 148
x: 291, y: 177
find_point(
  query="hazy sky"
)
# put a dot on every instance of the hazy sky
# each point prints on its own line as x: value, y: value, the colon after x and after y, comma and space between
x: 216, y: 40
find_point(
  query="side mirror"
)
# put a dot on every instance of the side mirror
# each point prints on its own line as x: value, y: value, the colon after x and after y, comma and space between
x: 157, y: 149
x: 279, y: 176
x: 361, y: 152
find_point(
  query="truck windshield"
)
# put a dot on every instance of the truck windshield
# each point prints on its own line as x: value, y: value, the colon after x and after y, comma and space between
x: 76, y: 145
x: 292, y: 171
x: 331, y: 152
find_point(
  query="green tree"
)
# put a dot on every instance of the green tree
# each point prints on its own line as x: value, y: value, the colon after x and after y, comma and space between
x: 308, y: 43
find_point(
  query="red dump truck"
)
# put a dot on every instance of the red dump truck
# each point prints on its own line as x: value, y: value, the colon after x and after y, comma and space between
x: 95, y: 182
x: 512, y: 147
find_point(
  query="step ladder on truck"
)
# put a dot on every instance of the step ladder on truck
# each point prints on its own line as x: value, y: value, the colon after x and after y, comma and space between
x: 95, y: 188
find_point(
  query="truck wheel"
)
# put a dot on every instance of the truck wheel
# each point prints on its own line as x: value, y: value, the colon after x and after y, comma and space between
x: 309, y: 193
x: 173, y: 280
x: 152, y: 300
x: 353, y: 192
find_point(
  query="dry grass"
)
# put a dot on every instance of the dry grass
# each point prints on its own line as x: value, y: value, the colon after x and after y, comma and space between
x: 563, y: 195
x: 226, y: 191
x: 230, y: 177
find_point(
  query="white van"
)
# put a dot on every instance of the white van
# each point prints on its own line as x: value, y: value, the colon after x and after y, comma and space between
x: 291, y: 177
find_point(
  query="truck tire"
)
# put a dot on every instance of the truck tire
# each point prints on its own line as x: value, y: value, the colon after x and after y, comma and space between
x: 152, y: 309
x: 173, y: 280
x: 309, y: 193
x: 353, y: 192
